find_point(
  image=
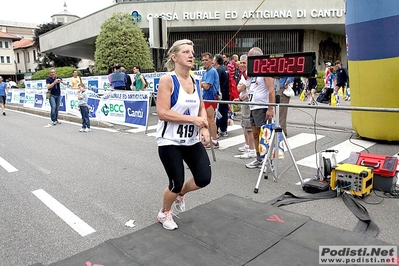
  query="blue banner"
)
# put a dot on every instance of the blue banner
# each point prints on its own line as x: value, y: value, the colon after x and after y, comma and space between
x: 93, y: 106
x: 62, y: 104
x: 136, y: 112
x: 9, y: 97
x: 22, y: 97
x: 156, y: 84
x: 93, y: 85
x: 38, y: 100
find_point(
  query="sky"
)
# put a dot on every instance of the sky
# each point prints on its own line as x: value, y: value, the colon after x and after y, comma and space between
x: 40, y: 11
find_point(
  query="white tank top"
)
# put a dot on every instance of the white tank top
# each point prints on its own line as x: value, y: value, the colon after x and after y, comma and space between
x: 258, y: 93
x: 184, y: 134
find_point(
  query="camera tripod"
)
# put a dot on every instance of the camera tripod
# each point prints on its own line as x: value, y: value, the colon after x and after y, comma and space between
x: 270, y: 162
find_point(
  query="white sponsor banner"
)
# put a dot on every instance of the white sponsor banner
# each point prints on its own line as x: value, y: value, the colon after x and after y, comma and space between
x: 102, y: 84
x: 72, y: 102
x: 119, y: 107
x: 29, y: 98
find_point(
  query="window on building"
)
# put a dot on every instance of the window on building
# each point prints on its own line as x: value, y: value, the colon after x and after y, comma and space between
x: 5, y: 44
x: 1, y: 44
x: 2, y: 59
x: 19, y: 71
x: 18, y: 58
x: 8, y: 60
x: 34, y: 55
x: 27, y: 57
x: 29, y: 70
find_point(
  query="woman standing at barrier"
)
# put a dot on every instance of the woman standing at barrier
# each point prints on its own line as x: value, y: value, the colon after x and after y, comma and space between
x: 182, y: 124
x: 75, y: 80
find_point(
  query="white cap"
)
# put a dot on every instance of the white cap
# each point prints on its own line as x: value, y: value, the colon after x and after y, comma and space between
x: 328, y: 64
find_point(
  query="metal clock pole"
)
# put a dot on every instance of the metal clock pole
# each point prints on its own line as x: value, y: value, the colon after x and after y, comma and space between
x: 273, y: 146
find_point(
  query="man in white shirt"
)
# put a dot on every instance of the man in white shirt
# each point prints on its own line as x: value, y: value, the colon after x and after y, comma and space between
x: 261, y: 91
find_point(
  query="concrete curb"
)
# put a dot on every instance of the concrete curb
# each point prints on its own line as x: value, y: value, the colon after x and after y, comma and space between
x: 61, y: 116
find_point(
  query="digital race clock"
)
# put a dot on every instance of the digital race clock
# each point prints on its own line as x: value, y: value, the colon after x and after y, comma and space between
x: 281, y: 65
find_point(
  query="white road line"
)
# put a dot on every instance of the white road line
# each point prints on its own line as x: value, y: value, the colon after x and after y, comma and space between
x: 231, y: 141
x: 141, y: 129
x: 344, y: 150
x: 70, y: 218
x: 6, y: 165
x: 302, y: 139
x: 294, y: 142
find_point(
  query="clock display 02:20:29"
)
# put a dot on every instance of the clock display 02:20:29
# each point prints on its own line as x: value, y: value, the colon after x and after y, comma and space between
x: 298, y: 64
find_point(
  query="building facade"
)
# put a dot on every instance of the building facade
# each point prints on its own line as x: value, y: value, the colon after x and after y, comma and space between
x: 222, y: 26
x: 7, y: 66
x: 26, y: 57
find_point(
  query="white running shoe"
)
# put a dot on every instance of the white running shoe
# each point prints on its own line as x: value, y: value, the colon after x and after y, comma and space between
x: 166, y: 219
x: 82, y: 130
x: 254, y: 164
x: 179, y: 204
x: 248, y: 154
x: 239, y: 155
x: 87, y: 129
x: 243, y: 148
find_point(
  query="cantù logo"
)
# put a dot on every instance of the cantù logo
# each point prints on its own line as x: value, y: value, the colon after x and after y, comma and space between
x: 136, y: 17
x: 105, y: 109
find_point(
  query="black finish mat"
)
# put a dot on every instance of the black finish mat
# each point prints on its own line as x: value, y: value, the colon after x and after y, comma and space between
x: 227, y: 231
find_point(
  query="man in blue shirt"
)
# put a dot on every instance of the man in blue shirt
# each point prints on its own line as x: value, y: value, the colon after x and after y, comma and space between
x: 118, y: 78
x: 210, y: 88
x: 3, y: 95
x: 53, y: 84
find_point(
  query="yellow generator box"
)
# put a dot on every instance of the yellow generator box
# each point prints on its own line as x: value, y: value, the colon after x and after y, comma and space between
x: 358, y: 180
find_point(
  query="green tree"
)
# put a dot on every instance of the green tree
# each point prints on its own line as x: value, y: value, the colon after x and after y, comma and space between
x: 63, y: 72
x: 121, y: 41
x: 49, y: 59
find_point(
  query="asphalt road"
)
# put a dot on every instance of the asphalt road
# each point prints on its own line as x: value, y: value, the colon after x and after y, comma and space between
x: 111, y: 175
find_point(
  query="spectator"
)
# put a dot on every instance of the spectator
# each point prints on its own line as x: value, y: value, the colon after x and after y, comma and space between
x: 110, y: 71
x: 234, y: 76
x: 234, y: 58
x: 326, y: 73
x: 3, y: 95
x: 342, y: 79
x: 75, y: 80
x: 139, y: 81
x: 312, y: 85
x: 285, y: 82
x: 297, y: 86
x: 118, y: 78
x: 210, y: 85
x: 261, y: 91
x: 128, y: 80
x: 248, y: 150
x: 332, y: 81
x: 84, y: 108
x: 12, y: 84
x: 53, y: 84
x: 180, y: 108
x: 224, y: 90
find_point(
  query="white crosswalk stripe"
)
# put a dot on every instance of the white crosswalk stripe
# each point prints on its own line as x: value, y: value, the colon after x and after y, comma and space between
x: 344, y: 149
x: 141, y: 129
x: 6, y: 165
